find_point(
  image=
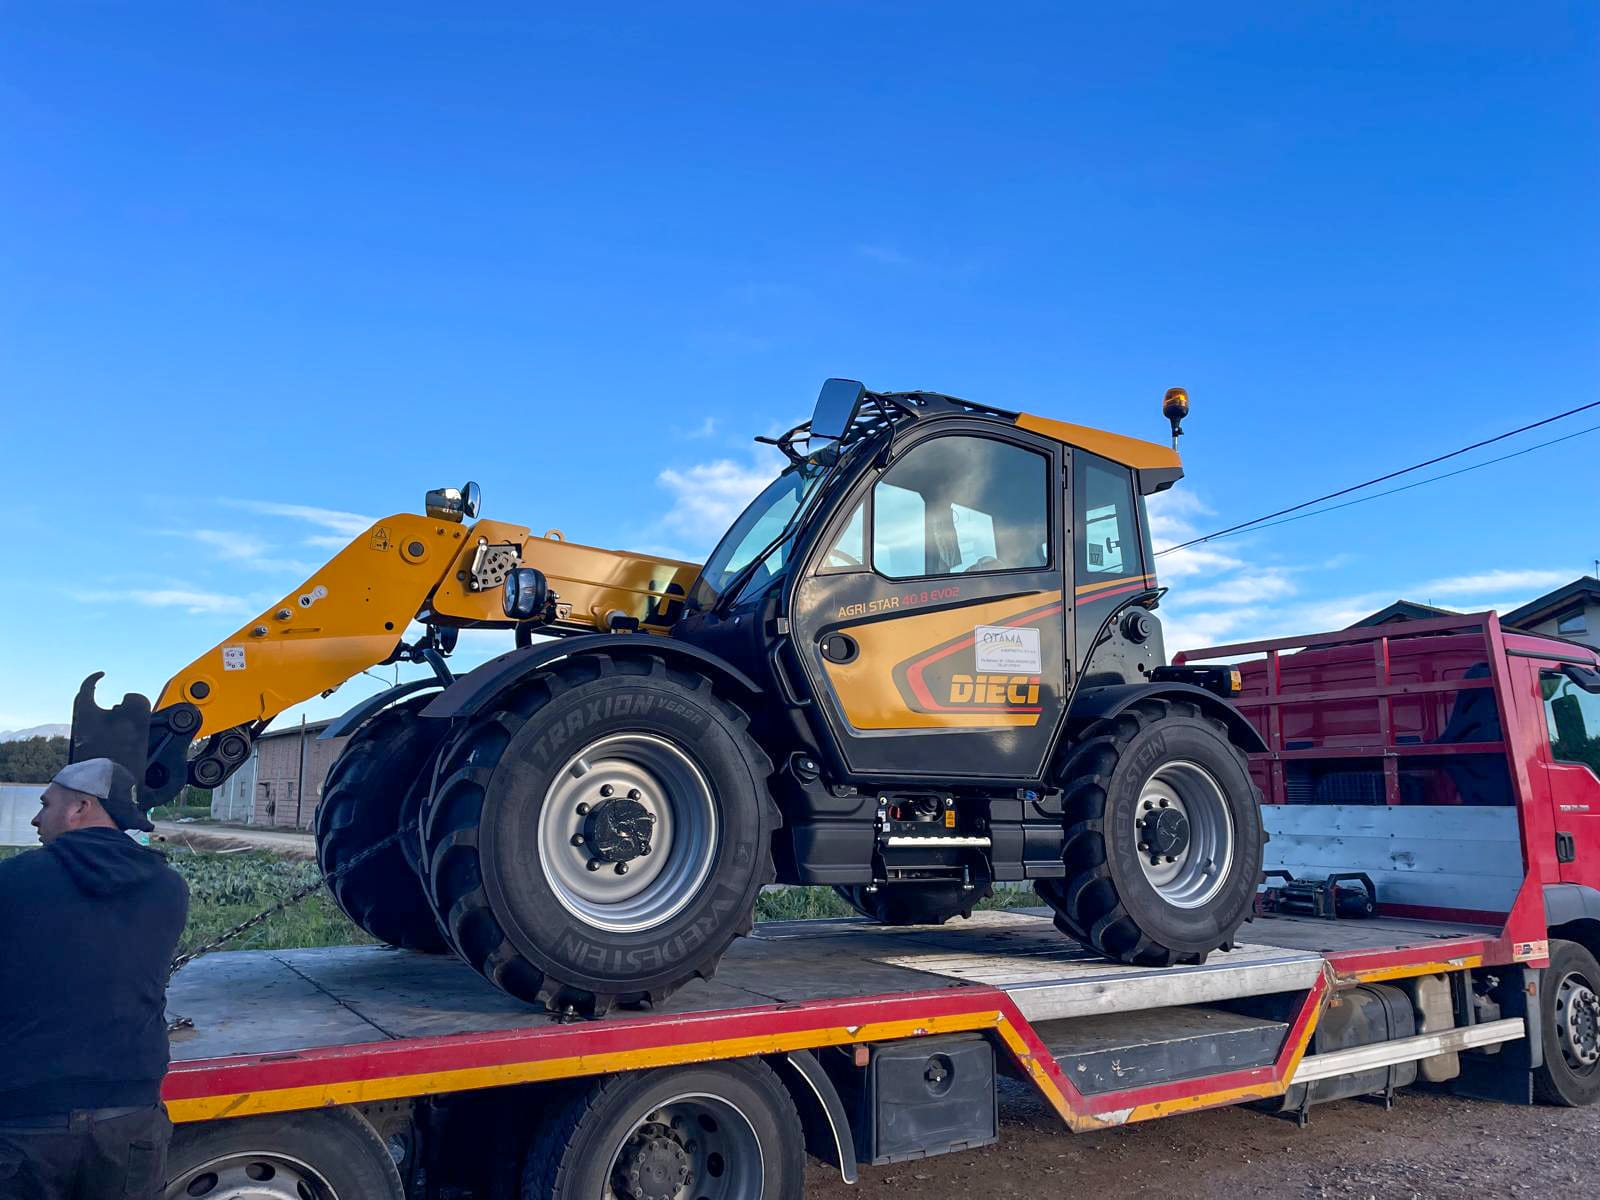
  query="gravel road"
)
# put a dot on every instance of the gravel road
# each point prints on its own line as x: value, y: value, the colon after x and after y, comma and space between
x: 202, y: 836
x: 1430, y: 1145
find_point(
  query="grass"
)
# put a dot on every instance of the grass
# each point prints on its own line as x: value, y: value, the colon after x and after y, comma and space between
x: 224, y: 889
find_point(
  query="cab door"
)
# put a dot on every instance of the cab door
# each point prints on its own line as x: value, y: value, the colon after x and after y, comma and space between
x: 1572, y: 768
x: 931, y: 614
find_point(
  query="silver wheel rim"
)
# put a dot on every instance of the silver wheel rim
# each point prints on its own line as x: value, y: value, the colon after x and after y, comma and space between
x: 693, y: 1147
x: 652, y: 887
x: 1184, y: 792
x: 1578, y: 1022
x: 251, y: 1177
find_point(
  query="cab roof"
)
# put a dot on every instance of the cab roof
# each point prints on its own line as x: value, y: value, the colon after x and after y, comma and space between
x: 1130, y: 452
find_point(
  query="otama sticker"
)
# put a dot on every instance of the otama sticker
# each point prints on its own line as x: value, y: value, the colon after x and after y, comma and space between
x: 1008, y: 649
x: 233, y: 658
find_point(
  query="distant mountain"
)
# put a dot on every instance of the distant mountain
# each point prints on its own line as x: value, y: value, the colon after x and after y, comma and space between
x: 16, y: 735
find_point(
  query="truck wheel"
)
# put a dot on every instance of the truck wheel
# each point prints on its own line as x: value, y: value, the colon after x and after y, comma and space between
x: 1163, y: 836
x: 727, y: 1131
x: 329, y: 1154
x: 601, y: 835
x: 1570, y: 1003
x: 911, y: 903
x: 376, y: 788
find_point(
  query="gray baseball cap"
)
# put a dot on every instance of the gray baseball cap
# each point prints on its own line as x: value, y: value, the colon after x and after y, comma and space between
x: 111, y: 784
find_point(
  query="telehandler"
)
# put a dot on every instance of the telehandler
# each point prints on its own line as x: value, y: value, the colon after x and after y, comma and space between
x: 923, y: 660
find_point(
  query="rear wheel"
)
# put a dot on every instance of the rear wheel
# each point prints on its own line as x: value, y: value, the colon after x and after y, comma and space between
x: 727, y: 1131
x: 332, y: 1154
x: 601, y: 835
x: 911, y: 903
x: 1164, y: 836
x: 375, y: 792
x: 1570, y: 1000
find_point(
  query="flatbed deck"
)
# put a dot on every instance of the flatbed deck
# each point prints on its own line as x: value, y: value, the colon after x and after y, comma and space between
x: 281, y: 1030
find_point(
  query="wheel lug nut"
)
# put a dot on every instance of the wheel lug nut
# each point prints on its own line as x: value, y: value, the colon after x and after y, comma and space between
x: 1148, y: 805
x: 606, y: 789
x: 622, y: 868
x: 1171, y: 859
x: 577, y: 839
x: 593, y: 864
x: 1144, y: 845
x: 633, y: 793
x: 583, y: 810
x: 1165, y: 803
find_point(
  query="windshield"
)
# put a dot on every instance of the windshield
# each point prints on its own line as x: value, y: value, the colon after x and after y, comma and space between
x: 755, y: 529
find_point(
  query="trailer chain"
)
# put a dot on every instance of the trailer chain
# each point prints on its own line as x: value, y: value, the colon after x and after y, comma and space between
x: 293, y: 898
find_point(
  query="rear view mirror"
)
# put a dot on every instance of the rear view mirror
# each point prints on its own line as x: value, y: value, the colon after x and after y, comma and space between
x: 836, y: 408
x: 1585, y: 677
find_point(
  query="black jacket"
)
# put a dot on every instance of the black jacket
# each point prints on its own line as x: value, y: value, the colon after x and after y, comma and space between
x: 88, y: 926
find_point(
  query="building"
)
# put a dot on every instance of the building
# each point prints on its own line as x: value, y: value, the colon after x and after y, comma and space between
x: 281, y: 782
x: 1571, y: 611
x: 18, y: 804
x: 1403, y: 610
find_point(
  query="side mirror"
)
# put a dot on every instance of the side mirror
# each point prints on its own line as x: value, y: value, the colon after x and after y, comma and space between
x: 836, y: 408
x: 1585, y: 677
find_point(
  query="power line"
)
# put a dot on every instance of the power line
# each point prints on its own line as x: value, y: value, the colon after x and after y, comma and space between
x: 1488, y: 462
x: 1356, y: 487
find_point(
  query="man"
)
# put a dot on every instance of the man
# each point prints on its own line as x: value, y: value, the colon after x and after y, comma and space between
x: 88, y: 926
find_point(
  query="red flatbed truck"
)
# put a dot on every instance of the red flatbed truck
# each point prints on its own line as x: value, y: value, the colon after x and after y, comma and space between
x: 1448, y: 764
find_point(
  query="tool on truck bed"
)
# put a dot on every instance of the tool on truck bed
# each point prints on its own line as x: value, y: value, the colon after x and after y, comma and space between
x: 923, y: 660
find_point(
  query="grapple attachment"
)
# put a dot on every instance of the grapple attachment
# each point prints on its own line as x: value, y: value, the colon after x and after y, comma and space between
x: 154, y: 747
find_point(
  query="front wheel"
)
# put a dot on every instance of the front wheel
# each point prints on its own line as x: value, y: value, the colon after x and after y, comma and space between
x: 727, y: 1131
x: 1570, y: 1005
x: 1164, y: 838
x: 600, y: 836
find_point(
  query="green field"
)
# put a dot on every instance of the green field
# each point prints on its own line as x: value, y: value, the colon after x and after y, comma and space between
x: 224, y: 889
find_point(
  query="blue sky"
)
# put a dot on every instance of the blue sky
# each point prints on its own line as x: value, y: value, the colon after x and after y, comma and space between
x: 263, y: 266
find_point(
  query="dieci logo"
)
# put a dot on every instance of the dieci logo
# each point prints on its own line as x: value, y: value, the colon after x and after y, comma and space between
x: 1022, y: 690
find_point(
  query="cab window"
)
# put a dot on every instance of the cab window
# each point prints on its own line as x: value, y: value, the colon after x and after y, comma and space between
x: 1573, y: 717
x: 1108, y: 538
x: 961, y: 505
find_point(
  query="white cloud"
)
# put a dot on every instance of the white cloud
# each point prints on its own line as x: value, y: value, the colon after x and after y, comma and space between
x: 188, y: 599
x: 1499, y: 581
x: 347, y: 523
x: 707, y: 497
x: 247, y: 550
x: 327, y: 541
x: 706, y: 428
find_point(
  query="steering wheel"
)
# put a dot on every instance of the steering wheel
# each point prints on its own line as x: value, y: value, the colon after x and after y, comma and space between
x: 849, y: 560
x: 987, y: 563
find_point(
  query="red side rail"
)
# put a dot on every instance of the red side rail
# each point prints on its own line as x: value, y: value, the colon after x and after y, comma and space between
x: 1471, y: 638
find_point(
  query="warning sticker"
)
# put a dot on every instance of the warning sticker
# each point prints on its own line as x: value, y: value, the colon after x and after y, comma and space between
x: 233, y: 658
x: 1011, y: 649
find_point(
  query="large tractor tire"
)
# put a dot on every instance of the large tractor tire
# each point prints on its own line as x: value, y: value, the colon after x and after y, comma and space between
x: 1164, y: 836
x: 375, y: 791
x: 600, y: 834
x: 911, y: 903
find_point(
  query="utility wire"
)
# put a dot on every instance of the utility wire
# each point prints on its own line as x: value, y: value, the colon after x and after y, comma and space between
x: 1356, y: 487
x: 1488, y: 462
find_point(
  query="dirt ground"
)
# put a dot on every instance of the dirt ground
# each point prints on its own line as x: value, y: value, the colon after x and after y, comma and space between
x: 286, y: 842
x: 1430, y: 1145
